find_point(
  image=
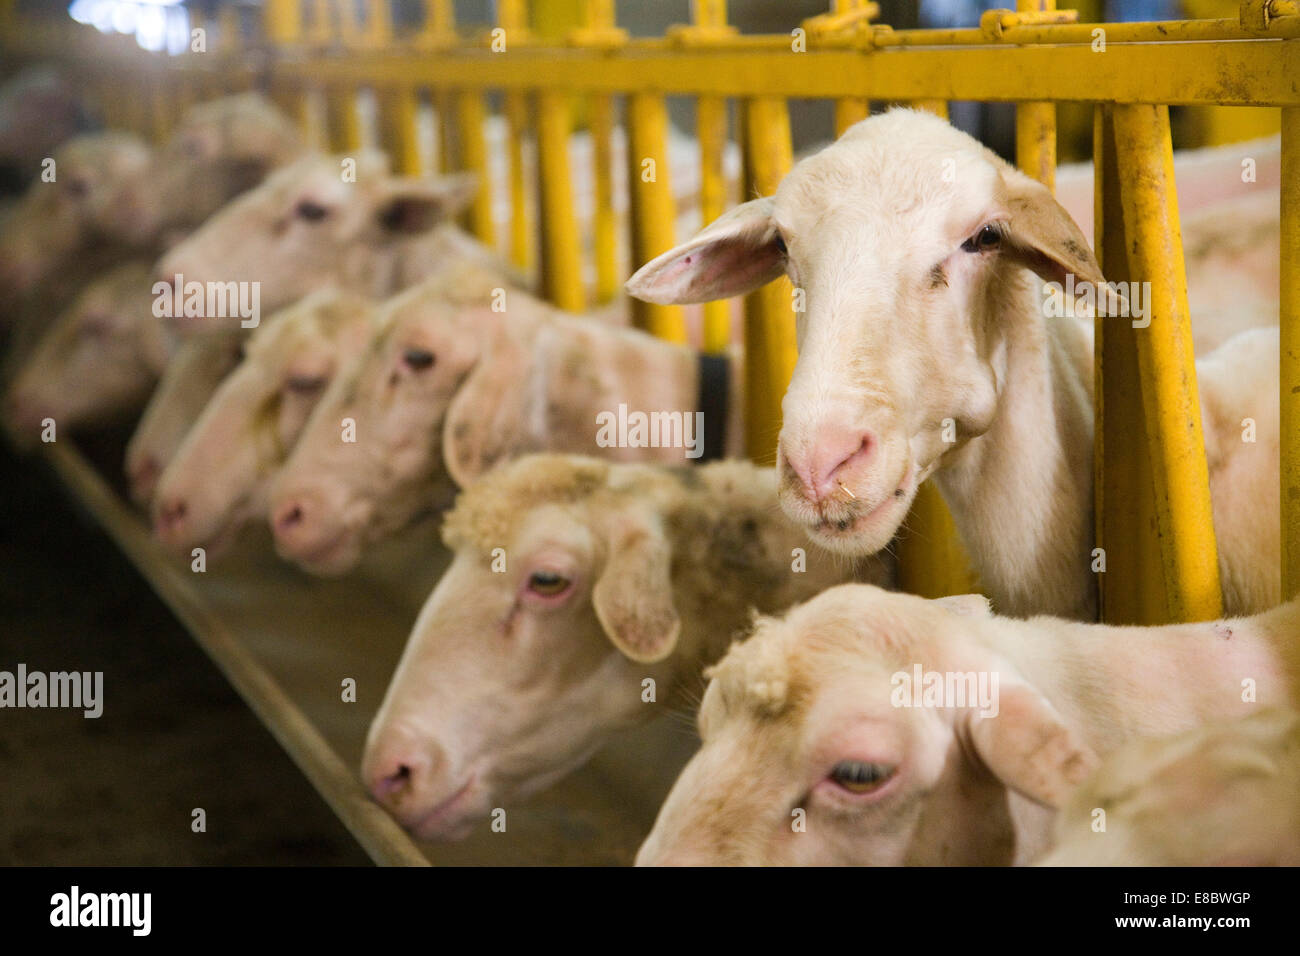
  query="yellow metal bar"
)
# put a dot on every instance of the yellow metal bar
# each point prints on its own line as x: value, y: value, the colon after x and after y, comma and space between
x: 1185, y: 518
x: 850, y: 110
x: 937, y: 107
x: 1257, y: 73
x: 652, y: 206
x: 282, y: 21
x: 470, y: 117
x: 379, y: 26
x: 1036, y: 122
x: 343, y: 125
x: 398, y: 111
x: 711, y: 130
x: 1290, y: 380
x: 516, y: 110
x: 322, y: 23
x: 931, y: 559
x: 604, y: 219
x: 439, y: 30
x: 560, y: 254
x: 448, y: 150
x: 1131, y: 587
x: 769, y: 317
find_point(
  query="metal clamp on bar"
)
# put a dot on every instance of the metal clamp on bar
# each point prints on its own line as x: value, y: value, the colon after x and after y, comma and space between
x: 849, y: 18
x: 994, y: 23
x: 1256, y: 15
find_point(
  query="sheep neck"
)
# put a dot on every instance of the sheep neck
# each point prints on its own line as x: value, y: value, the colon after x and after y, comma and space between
x: 1021, y: 494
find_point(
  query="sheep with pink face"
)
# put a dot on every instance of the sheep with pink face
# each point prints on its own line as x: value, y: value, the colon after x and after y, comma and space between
x: 221, y: 149
x: 97, y: 363
x: 1224, y: 794
x: 218, y: 479
x: 867, y: 727
x: 323, y: 221
x: 574, y: 581
x: 462, y: 375
x: 85, y: 211
x: 191, y: 376
x: 926, y: 351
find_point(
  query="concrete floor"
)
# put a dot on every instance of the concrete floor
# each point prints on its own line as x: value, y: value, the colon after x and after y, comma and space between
x: 120, y: 789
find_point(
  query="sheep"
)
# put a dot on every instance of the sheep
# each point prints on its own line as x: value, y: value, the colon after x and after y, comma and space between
x: 1220, y: 794
x: 322, y: 221
x: 99, y: 360
x: 893, y: 729
x: 218, y: 478
x: 191, y: 376
x: 938, y: 361
x: 221, y: 149
x: 457, y: 380
x: 574, y: 581
x: 83, y: 213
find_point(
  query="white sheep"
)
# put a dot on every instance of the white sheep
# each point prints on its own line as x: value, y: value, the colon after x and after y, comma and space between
x: 584, y: 597
x: 459, y: 379
x: 925, y: 351
x: 870, y: 727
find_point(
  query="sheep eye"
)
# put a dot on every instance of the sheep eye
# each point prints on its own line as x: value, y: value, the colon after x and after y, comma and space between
x: 304, y: 384
x: 77, y: 188
x: 858, y: 777
x: 312, y: 212
x: 417, y: 359
x: 989, y: 237
x: 547, y: 583
x: 779, y: 240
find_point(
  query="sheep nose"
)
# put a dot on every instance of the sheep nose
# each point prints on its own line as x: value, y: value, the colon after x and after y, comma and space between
x: 171, y: 515
x: 398, y: 771
x: 831, y: 461
x: 290, y: 517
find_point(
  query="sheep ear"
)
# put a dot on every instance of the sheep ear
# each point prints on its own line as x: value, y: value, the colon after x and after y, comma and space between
x: 411, y: 205
x: 485, y: 419
x: 1044, y: 237
x: 1029, y: 747
x: 736, y: 253
x: 633, y: 597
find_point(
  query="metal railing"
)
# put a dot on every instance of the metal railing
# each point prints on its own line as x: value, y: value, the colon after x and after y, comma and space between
x: 1153, y: 499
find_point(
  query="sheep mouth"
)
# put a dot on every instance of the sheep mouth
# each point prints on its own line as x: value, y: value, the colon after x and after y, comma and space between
x: 448, y: 819
x: 856, y: 527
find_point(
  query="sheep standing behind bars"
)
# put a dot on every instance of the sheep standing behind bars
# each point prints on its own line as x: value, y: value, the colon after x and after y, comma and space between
x: 330, y: 220
x: 910, y: 731
x: 584, y: 597
x: 191, y: 376
x: 98, y: 361
x: 926, y: 350
x: 218, y: 478
x: 458, y: 381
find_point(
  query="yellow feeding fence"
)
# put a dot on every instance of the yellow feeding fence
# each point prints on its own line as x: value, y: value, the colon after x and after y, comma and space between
x: 543, y: 75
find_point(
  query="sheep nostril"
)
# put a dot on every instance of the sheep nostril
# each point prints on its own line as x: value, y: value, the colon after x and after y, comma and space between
x: 290, y: 517
x: 172, y: 513
x: 393, y: 785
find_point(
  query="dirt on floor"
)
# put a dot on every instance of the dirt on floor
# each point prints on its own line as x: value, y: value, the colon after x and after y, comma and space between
x: 122, y: 789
